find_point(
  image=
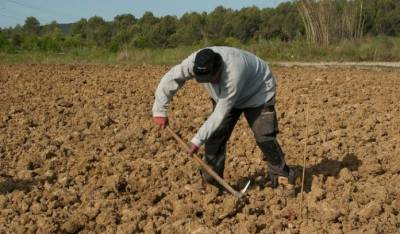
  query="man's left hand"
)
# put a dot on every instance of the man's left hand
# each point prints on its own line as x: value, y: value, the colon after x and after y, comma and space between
x: 194, y: 149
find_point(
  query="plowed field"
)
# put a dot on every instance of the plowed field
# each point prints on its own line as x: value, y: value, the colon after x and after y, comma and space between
x: 79, y: 153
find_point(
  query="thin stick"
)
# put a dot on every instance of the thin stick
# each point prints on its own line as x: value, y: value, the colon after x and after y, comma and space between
x: 205, y: 166
x: 304, y: 161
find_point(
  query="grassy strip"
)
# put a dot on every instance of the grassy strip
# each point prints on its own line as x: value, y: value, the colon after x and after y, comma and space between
x: 367, y: 49
x: 99, y: 56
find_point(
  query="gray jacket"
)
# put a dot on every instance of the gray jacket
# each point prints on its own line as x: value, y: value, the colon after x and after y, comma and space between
x: 246, y: 81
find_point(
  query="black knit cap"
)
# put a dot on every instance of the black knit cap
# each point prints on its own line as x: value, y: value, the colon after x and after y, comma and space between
x: 207, y: 62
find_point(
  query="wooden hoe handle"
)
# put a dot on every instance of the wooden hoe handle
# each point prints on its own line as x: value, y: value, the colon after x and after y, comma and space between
x: 205, y: 166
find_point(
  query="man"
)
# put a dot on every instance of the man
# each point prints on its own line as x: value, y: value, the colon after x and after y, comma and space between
x: 238, y: 82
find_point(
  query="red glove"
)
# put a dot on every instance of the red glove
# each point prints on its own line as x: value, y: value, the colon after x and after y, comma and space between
x: 160, y: 121
x: 194, y: 149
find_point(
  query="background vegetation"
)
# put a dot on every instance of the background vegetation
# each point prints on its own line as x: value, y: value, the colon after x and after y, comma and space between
x: 297, y: 30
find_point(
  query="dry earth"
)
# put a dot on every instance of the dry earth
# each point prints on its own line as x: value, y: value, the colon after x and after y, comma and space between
x: 340, y: 64
x: 79, y: 153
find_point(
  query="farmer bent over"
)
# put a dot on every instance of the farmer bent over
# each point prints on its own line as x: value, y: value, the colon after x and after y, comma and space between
x: 238, y: 82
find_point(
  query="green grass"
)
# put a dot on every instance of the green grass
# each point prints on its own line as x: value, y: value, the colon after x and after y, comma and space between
x: 367, y: 49
x: 100, y: 56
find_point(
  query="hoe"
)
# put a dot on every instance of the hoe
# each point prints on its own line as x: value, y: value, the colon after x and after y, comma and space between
x: 209, y: 170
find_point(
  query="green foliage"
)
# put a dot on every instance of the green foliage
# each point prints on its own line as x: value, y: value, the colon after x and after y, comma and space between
x: 72, y: 42
x: 368, y: 49
x: 248, y: 21
x: 124, y: 21
x: 231, y: 41
x: 30, y: 42
x: 388, y: 22
x: 5, y: 44
x: 260, y: 28
x: 98, y: 31
x: 49, y: 43
x: 160, y: 35
x: 123, y: 30
x: 373, y: 49
x: 217, y: 24
x: 79, y: 29
x: 31, y: 26
x: 16, y: 39
x: 382, y: 17
x: 53, y: 30
x: 190, y: 29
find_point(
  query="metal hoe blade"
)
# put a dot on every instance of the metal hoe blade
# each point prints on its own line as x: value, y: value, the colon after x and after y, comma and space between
x: 243, y: 191
x: 245, y: 187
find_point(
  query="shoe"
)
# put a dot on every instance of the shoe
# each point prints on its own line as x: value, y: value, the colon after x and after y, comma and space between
x: 287, y: 182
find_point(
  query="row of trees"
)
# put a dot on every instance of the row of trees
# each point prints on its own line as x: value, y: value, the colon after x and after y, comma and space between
x: 293, y: 20
x: 220, y: 26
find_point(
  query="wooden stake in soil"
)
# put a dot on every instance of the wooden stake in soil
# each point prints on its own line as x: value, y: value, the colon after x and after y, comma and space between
x: 304, y: 161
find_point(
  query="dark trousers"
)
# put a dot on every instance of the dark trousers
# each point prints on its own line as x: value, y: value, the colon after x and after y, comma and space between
x: 264, y: 124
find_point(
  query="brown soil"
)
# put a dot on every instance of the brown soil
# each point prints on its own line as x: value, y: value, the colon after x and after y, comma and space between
x: 79, y: 153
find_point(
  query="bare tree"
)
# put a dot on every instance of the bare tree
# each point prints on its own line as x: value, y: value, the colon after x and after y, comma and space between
x: 330, y: 21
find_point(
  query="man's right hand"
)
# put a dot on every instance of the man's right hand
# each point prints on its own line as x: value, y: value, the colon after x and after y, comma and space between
x: 194, y: 149
x: 161, y: 121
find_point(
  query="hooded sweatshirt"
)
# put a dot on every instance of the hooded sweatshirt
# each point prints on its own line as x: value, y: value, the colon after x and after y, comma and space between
x: 246, y: 81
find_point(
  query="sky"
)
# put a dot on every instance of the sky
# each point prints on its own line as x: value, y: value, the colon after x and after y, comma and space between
x: 13, y: 12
